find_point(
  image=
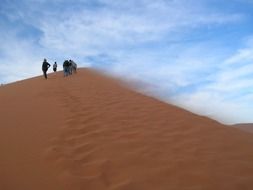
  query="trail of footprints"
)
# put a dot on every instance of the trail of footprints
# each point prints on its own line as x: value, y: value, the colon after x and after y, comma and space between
x: 75, y: 150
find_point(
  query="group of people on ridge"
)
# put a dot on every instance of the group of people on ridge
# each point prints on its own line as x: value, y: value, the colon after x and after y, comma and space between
x: 69, y: 66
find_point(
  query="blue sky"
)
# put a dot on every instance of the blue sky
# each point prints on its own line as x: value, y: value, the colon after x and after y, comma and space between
x: 197, y: 54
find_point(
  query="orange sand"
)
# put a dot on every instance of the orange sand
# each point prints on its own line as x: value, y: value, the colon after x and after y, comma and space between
x: 88, y: 132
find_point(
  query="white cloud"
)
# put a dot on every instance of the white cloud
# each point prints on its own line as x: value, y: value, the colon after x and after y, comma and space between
x: 120, y: 24
x: 243, y: 55
x: 229, y: 95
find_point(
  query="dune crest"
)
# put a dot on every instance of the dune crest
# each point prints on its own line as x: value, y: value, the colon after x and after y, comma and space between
x: 90, y: 132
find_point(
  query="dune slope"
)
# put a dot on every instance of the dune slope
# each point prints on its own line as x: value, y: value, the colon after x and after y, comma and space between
x: 248, y: 127
x: 87, y: 131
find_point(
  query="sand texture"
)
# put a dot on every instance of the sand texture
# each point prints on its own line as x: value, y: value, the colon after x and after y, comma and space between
x: 89, y: 132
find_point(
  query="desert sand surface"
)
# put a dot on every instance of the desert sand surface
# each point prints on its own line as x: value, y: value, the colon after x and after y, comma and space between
x: 248, y: 127
x: 89, y: 132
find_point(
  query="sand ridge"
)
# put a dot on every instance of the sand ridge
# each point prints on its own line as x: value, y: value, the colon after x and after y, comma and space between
x: 98, y: 134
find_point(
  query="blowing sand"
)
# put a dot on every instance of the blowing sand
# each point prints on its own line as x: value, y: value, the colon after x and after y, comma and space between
x: 88, y: 132
x: 248, y: 127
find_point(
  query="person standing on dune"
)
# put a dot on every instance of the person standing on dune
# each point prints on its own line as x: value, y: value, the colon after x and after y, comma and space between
x: 45, y: 66
x: 66, y: 68
x: 55, y: 66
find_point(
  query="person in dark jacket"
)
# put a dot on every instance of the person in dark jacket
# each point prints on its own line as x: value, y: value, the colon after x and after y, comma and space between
x: 66, y: 68
x: 45, y: 66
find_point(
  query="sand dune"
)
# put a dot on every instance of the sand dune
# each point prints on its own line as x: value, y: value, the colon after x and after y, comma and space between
x: 88, y: 131
x: 248, y: 127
